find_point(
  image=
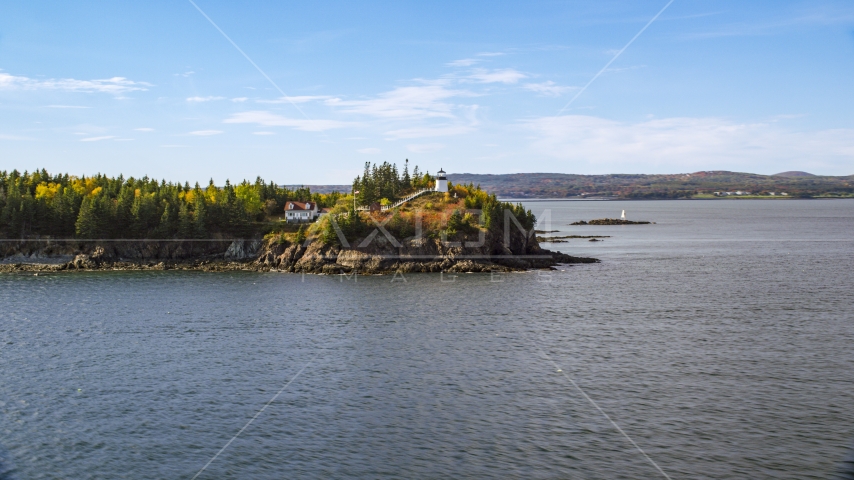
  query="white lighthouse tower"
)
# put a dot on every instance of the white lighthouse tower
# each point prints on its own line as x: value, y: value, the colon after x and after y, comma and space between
x: 441, y: 181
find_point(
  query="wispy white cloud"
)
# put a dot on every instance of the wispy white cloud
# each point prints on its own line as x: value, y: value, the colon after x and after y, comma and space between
x: 173, y: 146
x: 370, y: 151
x: 490, y: 54
x: 263, y: 133
x: 65, y: 106
x: 428, y: 131
x: 297, y: 99
x: 4, y: 136
x: 115, y: 85
x: 239, y: 99
x: 422, y: 101
x: 623, y: 69
x: 97, y: 139
x: 507, y: 75
x: 272, y: 120
x: 204, y: 99
x: 185, y: 74
x: 425, y: 147
x: 687, y: 143
x: 548, y: 88
x: 144, y: 129
x: 464, y: 62
x: 206, y: 133
x: 787, y: 116
x: 811, y: 17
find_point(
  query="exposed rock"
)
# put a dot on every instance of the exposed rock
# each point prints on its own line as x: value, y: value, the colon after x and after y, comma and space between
x: 464, y: 254
x: 242, y: 250
x: 609, y: 221
x: 561, y: 239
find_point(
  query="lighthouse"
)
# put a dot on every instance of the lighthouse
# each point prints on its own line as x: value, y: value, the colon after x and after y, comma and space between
x: 441, y: 181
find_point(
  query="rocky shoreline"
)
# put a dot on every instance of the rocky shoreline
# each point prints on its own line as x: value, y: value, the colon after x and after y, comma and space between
x: 272, y: 255
x: 609, y: 221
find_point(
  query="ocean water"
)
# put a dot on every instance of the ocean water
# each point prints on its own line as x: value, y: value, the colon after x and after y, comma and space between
x: 720, y: 340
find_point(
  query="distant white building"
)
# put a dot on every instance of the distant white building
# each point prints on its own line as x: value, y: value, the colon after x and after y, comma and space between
x: 441, y: 181
x: 301, y: 212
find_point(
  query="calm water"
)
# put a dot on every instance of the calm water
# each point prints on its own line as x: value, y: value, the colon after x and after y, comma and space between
x: 721, y: 340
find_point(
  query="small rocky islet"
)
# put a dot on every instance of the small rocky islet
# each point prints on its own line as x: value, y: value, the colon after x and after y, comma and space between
x: 564, y: 238
x: 610, y: 221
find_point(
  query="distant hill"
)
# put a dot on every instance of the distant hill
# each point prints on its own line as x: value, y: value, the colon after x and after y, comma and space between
x: 322, y: 188
x: 683, y: 185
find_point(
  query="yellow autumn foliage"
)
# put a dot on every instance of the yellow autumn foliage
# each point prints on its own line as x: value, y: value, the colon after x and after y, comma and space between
x: 84, y: 186
x: 47, y: 191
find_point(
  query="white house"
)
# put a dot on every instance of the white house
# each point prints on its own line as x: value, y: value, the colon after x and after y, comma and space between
x: 441, y: 181
x: 301, y: 212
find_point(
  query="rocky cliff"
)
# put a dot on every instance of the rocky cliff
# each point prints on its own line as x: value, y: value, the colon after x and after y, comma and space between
x: 378, y: 254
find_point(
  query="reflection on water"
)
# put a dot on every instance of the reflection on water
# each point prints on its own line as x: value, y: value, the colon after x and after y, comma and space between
x: 717, y: 339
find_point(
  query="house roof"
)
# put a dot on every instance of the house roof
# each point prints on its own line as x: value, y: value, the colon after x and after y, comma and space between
x: 300, y: 206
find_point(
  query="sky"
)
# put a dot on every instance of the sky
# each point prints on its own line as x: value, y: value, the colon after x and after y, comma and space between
x: 154, y: 88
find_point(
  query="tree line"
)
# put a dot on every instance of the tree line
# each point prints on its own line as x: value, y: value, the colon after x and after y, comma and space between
x: 66, y: 206
x: 385, y: 183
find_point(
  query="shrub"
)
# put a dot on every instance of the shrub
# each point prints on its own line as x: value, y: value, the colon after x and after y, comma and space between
x: 300, y: 235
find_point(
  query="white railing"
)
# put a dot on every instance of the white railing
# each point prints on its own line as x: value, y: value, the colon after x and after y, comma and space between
x: 399, y: 202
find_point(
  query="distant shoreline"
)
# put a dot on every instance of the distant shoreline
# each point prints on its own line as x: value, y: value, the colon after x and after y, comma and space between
x: 538, y: 199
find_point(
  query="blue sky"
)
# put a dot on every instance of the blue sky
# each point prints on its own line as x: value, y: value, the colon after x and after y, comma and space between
x: 152, y: 88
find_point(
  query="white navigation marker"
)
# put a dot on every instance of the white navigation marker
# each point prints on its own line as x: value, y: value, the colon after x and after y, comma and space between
x: 624, y: 215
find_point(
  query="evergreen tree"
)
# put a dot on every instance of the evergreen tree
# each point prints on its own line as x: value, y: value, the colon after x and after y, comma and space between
x: 186, y: 227
x: 300, y: 236
x: 27, y: 215
x: 11, y: 215
x: 87, y: 221
x: 167, y: 225
x: 406, y: 180
x: 200, y: 227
